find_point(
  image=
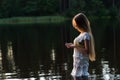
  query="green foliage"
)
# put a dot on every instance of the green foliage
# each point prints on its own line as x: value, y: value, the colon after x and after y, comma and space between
x: 76, y: 6
x: 95, y: 7
x: 6, y: 8
x: 11, y: 8
x: 14, y: 8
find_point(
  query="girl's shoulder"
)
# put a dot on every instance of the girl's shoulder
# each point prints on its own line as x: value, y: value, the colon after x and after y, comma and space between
x: 86, y: 35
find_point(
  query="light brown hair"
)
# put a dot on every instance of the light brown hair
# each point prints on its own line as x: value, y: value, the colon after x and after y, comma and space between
x: 81, y: 21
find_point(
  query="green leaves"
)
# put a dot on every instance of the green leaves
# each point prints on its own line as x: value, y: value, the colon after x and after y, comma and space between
x: 15, y: 8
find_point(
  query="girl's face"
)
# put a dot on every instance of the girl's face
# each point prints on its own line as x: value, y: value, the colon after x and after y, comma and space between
x: 75, y: 25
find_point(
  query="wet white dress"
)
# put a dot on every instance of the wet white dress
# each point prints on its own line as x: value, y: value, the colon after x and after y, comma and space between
x: 80, y: 61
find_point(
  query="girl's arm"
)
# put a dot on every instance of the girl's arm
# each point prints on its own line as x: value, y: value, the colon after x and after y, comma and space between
x: 84, y: 49
x: 69, y: 45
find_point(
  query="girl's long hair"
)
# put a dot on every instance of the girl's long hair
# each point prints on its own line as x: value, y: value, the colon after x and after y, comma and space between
x: 82, y: 20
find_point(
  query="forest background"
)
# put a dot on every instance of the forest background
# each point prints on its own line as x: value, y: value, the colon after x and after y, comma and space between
x: 66, y: 8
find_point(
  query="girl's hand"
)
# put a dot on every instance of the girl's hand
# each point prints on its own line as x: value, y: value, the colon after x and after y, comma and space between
x: 69, y: 45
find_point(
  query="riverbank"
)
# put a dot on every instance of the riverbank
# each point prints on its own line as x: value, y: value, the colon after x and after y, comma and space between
x: 44, y: 19
x: 33, y: 20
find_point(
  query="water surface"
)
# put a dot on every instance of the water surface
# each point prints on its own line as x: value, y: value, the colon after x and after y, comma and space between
x: 37, y: 51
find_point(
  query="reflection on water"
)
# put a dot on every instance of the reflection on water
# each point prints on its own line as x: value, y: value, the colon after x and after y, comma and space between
x: 107, y: 72
x: 10, y: 58
x: 0, y: 61
x: 53, y: 54
x: 52, y: 74
x: 27, y: 54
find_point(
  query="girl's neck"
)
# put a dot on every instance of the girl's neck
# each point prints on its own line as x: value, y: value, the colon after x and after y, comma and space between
x: 82, y: 31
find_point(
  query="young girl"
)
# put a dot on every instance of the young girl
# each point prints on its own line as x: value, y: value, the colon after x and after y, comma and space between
x: 83, y: 47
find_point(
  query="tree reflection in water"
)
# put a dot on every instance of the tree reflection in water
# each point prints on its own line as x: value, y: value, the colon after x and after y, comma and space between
x: 25, y: 53
x: 54, y: 72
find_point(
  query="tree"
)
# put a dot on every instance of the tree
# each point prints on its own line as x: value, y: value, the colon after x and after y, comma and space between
x: 6, y: 8
x: 75, y: 6
x: 10, y: 8
x: 95, y: 7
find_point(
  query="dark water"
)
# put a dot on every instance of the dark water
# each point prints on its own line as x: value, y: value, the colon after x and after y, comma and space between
x: 37, y: 51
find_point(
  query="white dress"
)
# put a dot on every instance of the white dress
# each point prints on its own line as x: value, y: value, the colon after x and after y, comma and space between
x: 80, y: 61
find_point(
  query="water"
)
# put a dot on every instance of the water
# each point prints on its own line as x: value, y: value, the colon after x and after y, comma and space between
x: 37, y: 51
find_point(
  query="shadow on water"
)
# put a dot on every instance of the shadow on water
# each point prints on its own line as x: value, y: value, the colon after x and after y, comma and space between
x: 37, y: 52
x: 32, y: 51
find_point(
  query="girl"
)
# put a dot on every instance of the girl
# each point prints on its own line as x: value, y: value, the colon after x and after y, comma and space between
x: 83, y: 47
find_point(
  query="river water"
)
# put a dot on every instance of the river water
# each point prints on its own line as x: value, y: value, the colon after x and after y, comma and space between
x: 37, y: 51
